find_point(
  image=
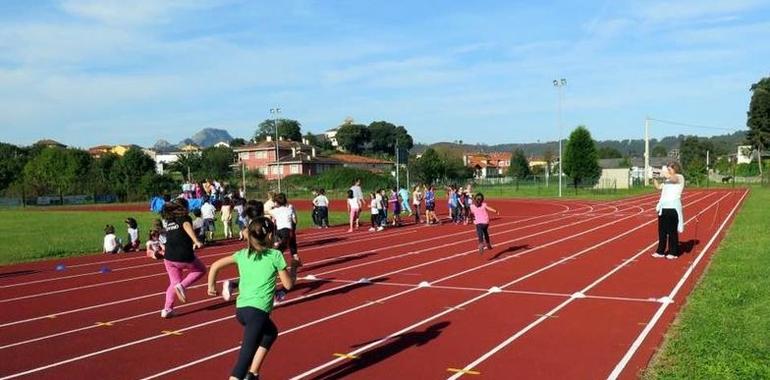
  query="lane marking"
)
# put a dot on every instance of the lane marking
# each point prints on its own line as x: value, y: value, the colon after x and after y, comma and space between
x: 345, y: 356
x: 621, y: 365
x: 171, y: 332
x: 464, y: 371
x: 103, y: 324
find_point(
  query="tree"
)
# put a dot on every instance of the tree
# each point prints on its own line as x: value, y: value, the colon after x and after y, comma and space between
x: 384, y: 135
x: 58, y: 169
x: 287, y: 128
x: 236, y: 142
x: 659, y: 151
x: 158, y: 184
x: 429, y: 167
x: 103, y: 177
x: 12, y: 161
x: 692, y: 154
x: 130, y: 169
x: 758, y: 119
x: 581, y: 160
x: 352, y: 137
x: 609, y: 152
x: 216, y: 163
x: 519, y: 165
x: 188, y: 164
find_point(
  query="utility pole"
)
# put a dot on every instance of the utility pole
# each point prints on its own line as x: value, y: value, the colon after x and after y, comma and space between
x: 646, y: 151
x: 559, y: 84
x: 275, y: 112
x: 398, y: 182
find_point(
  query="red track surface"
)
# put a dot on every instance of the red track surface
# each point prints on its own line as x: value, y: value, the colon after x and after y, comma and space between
x: 579, y: 297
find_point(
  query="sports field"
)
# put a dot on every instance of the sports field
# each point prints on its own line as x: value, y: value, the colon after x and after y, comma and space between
x: 569, y: 291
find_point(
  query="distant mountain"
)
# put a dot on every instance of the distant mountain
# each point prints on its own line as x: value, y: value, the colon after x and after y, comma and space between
x: 635, y: 148
x: 208, y: 137
x: 163, y: 146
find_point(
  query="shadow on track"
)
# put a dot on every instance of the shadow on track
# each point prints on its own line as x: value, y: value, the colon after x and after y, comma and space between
x: 18, y: 273
x: 338, y: 260
x: 510, y: 249
x: 393, y: 347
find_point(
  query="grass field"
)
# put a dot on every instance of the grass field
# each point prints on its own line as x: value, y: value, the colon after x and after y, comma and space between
x: 722, y: 332
x: 34, y: 235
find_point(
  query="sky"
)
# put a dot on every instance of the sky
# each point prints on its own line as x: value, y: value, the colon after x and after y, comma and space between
x: 113, y: 72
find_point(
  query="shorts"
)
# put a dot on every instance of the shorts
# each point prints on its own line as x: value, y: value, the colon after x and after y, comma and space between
x: 209, y: 225
x: 430, y: 207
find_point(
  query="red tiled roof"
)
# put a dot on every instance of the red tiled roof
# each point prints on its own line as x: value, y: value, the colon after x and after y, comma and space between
x: 356, y: 159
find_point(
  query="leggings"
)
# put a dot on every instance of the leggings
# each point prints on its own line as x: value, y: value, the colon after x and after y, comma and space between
x: 482, y: 231
x: 375, y: 220
x: 286, y: 238
x: 323, y: 216
x: 258, y: 331
x: 417, y: 213
x: 667, y: 224
x: 195, y: 270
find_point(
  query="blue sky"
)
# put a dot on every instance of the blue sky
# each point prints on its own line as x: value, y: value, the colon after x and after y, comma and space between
x: 94, y: 72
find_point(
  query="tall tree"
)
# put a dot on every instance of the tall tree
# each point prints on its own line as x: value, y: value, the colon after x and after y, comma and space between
x: 287, y: 128
x: 12, y: 161
x: 58, y: 169
x: 659, y: 151
x: 352, y: 137
x: 581, y: 160
x: 384, y: 135
x: 759, y: 115
x: 130, y: 169
x: 216, y: 163
x: 236, y: 142
x: 692, y: 154
x: 429, y: 167
x: 519, y: 165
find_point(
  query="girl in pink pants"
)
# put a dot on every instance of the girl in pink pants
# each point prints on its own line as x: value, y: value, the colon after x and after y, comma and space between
x: 180, y: 256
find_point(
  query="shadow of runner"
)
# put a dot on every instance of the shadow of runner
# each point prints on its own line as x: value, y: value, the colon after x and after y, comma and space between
x: 393, y: 347
x: 687, y: 246
x: 339, y: 260
x: 18, y: 273
x: 510, y: 249
x: 328, y: 240
x: 310, y: 286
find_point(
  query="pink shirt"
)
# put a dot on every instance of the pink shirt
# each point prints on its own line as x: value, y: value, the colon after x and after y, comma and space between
x: 480, y: 214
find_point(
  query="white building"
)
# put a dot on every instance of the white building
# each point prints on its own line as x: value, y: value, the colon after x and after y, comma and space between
x: 331, y: 135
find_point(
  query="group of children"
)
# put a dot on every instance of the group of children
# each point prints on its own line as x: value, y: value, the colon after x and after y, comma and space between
x: 113, y: 244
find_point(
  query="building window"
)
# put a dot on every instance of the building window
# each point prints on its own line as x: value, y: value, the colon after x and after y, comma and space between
x: 243, y: 155
x: 295, y: 169
x: 261, y: 154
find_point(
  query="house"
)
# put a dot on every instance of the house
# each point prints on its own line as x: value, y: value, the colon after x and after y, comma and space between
x: 222, y: 144
x: 48, y: 143
x: 99, y: 150
x: 293, y: 158
x: 363, y: 162
x: 635, y: 166
x: 331, y: 135
x: 488, y: 165
x: 190, y: 148
x: 120, y: 150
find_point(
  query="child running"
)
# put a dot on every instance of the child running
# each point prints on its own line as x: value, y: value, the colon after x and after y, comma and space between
x: 353, y: 209
x: 285, y: 224
x: 479, y: 209
x: 179, y: 256
x: 258, y: 266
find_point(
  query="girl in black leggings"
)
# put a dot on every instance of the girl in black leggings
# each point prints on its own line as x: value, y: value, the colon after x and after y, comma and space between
x: 258, y: 265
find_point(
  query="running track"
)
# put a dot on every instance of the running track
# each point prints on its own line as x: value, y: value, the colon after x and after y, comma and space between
x: 569, y: 291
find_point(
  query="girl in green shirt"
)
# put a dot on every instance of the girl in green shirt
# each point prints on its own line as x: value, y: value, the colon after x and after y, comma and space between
x: 258, y: 265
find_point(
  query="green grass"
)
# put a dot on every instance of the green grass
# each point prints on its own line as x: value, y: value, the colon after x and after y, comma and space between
x: 30, y: 235
x: 722, y: 332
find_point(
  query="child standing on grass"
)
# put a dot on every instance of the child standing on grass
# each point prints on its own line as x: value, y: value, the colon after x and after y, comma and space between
x: 285, y: 224
x: 258, y: 265
x: 179, y: 256
x: 111, y: 244
x: 133, y: 235
x: 353, y: 209
x: 209, y: 214
x: 479, y: 210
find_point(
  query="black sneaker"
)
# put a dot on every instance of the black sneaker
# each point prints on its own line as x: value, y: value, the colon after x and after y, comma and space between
x: 251, y: 376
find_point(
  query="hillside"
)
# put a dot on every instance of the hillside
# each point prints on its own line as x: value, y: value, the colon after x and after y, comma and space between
x: 723, y: 143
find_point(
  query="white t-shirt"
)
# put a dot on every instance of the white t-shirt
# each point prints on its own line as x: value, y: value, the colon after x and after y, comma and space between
x: 321, y: 201
x: 353, y: 203
x: 416, y: 198
x: 208, y: 211
x: 197, y: 223
x: 378, y: 199
x: 269, y: 206
x: 671, y: 193
x: 133, y: 233
x: 110, y: 242
x: 284, y: 216
x: 375, y: 206
x: 358, y: 194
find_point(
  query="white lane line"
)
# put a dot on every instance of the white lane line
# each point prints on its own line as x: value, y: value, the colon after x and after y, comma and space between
x: 163, y: 273
x: 47, y: 316
x: 381, y: 300
x: 556, y: 309
x: 128, y: 344
x: 654, y: 320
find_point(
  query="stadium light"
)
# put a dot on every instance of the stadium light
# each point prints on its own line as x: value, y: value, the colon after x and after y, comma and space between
x: 275, y: 112
x: 560, y: 84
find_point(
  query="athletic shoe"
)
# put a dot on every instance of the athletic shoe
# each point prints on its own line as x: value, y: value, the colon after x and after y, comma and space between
x: 672, y: 257
x: 251, y: 376
x: 166, y: 313
x: 371, y: 229
x: 350, y: 230
x: 657, y: 255
x: 489, y: 246
x: 380, y: 228
x: 226, y: 285
x: 180, y: 293
x: 481, y: 248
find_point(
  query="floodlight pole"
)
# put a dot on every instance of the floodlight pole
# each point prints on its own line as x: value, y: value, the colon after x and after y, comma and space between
x: 559, y: 84
x: 275, y: 112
